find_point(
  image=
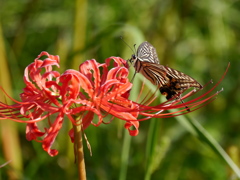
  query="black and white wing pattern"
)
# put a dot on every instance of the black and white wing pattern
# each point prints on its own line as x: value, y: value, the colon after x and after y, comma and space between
x: 170, y: 82
x: 146, y: 52
x: 163, y: 75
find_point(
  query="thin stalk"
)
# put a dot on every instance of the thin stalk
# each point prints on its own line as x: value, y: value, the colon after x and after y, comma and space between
x: 125, y: 155
x: 9, y: 136
x: 214, y: 145
x: 198, y: 130
x: 152, y: 142
x: 78, y: 150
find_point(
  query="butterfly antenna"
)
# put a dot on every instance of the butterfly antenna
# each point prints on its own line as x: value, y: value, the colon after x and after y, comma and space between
x: 128, y: 45
x: 134, y: 52
x: 135, y: 48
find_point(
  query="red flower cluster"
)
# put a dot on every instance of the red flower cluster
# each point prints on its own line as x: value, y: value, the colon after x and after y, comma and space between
x: 94, y: 89
x: 49, y: 94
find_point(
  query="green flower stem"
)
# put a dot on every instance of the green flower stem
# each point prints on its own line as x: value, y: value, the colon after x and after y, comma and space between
x: 125, y: 155
x: 78, y: 150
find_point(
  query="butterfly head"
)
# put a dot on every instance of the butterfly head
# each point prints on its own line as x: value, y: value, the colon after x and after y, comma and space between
x: 133, y: 59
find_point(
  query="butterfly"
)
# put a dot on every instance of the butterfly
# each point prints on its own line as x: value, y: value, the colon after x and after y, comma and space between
x: 171, y: 82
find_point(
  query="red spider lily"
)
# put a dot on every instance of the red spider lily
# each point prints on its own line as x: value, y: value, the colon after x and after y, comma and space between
x: 96, y: 88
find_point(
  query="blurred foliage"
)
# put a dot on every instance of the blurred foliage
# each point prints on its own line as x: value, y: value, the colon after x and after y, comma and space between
x: 198, y: 38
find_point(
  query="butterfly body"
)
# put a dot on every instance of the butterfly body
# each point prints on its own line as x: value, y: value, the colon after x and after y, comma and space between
x: 170, y: 81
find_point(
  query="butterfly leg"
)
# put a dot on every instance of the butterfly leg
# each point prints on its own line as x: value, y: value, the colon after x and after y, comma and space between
x: 188, y: 109
x: 133, y: 76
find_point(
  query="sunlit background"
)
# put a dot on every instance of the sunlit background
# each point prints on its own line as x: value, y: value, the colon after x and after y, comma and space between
x: 198, y: 38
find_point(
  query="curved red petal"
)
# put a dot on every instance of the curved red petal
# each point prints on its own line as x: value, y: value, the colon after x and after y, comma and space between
x: 51, y: 135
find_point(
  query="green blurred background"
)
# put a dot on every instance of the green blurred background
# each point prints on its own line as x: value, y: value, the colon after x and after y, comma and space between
x: 198, y: 38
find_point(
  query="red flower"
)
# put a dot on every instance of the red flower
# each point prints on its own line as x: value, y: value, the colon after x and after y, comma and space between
x: 84, y: 92
x: 95, y: 89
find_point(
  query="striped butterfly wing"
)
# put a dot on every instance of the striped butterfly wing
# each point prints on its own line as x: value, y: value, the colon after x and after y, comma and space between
x: 169, y: 81
x: 146, y: 52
